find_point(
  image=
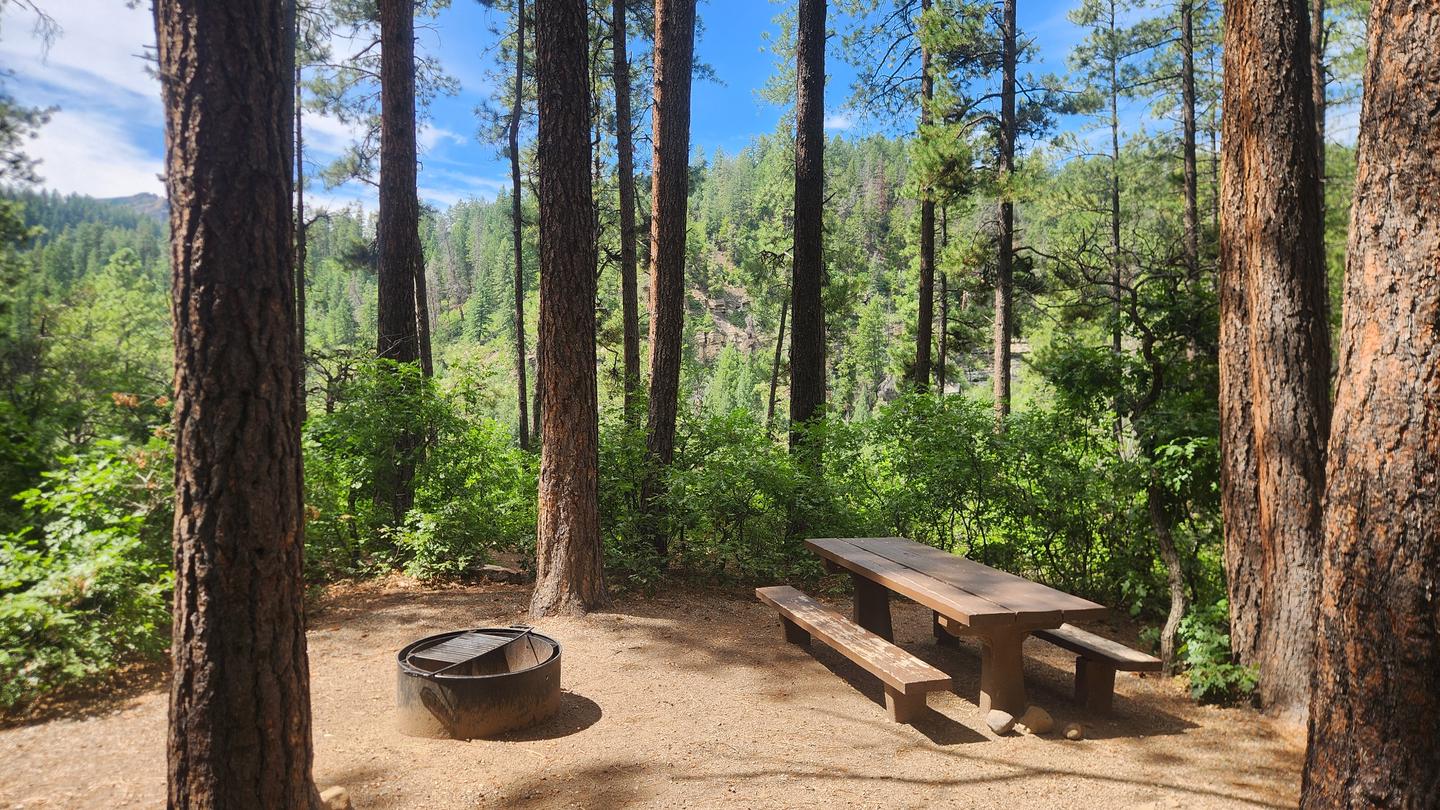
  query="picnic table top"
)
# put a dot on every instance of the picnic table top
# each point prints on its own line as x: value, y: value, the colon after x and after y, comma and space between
x: 955, y: 587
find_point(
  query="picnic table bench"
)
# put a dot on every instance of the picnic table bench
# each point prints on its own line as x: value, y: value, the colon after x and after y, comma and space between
x: 965, y: 598
x: 907, y: 679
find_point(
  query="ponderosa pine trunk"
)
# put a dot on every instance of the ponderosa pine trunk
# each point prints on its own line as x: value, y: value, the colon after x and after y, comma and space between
x: 1275, y: 352
x: 670, y: 183
x: 923, y: 331
x: 239, y: 730
x: 807, y: 310
x: 625, y: 178
x: 569, y: 577
x: 1375, y: 712
x: 398, y: 235
x: 1005, y: 260
x: 517, y: 227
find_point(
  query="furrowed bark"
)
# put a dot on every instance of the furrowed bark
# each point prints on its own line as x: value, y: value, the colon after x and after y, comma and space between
x: 239, y: 731
x: 1270, y: 256
x: 674, y: 52
x: 568, y: 558
x: 1375, y: 711
x: 398, y: 235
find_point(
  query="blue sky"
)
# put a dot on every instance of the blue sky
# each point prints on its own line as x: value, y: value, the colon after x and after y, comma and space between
x: 106, y: 137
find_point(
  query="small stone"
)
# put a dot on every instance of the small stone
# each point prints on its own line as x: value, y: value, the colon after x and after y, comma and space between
x: 1000, y: 722
x: 1074, y: 731
x: 335, y: 798
x: 1036, y: 720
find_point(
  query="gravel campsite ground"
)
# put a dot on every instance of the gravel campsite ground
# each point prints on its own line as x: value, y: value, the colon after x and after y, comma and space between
x: 688, y: 699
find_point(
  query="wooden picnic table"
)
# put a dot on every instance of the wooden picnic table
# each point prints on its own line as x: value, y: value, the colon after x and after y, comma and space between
x: 965, y: 597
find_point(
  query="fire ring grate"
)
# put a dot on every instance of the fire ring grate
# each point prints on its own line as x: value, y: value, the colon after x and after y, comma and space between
x: 468, y: 684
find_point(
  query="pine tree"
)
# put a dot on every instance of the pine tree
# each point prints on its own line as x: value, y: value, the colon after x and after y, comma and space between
x: 239, y: 696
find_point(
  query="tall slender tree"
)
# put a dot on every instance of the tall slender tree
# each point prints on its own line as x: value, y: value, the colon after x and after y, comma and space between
x: 1275, y: 353
x: 239, y: 697
x: 923, y: 332
x: 807, y: 329
x: 398, y: 233
x: 1005, y: 257
x: 625, y: 178
x: 568, y: 556
x: 1188, y: 132
x: 517, y: 224
x: 1375, y: 712
x: 670, y: 174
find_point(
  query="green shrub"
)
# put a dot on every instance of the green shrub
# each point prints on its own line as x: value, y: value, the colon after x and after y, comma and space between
x: 1205, y: 649
x: 90, y: 588
x: 474, y: 491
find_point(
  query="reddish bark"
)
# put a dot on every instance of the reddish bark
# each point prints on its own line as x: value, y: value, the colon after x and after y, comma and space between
x: 568, y: 558
x: 1375, y: 712
x: 1273, y: 304
x: 670, y: 170
x: 239, y: 697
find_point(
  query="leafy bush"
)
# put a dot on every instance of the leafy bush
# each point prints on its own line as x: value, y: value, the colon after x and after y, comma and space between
x: 474, y: 491
x: 90, y: 588
x: 1205, y: 649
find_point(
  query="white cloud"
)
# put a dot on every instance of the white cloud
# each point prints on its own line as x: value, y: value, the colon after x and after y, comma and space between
x: 90, y: 153
x: 106, y: 138
x: 839, y: 121
x: 97, y: 55
x: 430, y: 136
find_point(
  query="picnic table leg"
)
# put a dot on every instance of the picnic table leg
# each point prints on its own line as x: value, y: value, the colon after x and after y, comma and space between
x: 1002, y: 671
x: 943, y: 637
x: 872, y: 607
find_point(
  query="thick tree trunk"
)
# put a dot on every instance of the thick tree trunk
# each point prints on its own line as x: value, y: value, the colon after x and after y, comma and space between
x: 1187, y: 114
x: 398, y: 234
x: 239, y: 698
x: 517, y: 227
x: 670, y: 169
x: 1004, y: 272
x: 1375, y: 713
x: 568, y: 557
x: 923, y: 333
x: 625, y: 178
x: 1273, y: 301
x: 807, y: 311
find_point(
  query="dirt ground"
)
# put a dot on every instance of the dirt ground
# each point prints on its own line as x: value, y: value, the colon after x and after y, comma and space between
x: 689, y: 699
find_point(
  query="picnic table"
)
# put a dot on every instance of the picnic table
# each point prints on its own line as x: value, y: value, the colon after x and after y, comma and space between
x: 965, y: 597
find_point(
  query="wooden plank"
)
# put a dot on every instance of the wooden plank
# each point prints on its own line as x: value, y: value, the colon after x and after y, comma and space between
x: 939, y: 596
x: 1089, y: 645
x: 1035, y: 603
x: 895, y: 667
